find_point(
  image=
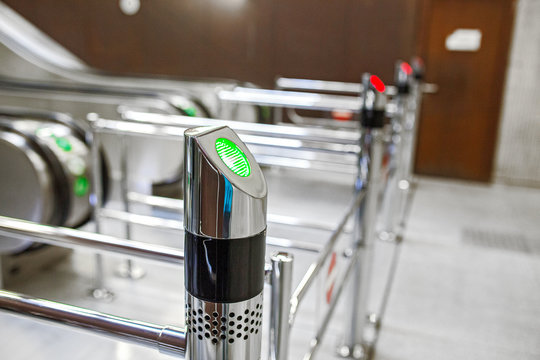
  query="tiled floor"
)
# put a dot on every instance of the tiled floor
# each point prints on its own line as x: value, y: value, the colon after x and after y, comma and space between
x: 458, y: 296
x: 463, y: 290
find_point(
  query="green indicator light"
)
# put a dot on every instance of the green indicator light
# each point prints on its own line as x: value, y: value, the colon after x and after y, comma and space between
x: 190, y: 111
x: 233, y: 157
x: 81, y: 186
x: 63, y: 143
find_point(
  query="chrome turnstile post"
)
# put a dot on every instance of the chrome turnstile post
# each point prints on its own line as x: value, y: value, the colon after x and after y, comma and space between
x: 368, y: 179
x: 225, y: 240
x: 281, y: 282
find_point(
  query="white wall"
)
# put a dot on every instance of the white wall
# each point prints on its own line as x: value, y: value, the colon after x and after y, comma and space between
x: 518, y: 154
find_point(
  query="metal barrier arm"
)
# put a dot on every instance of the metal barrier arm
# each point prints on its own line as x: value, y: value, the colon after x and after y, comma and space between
x: 316, y: 266
x: 338, y: 86
x: 177, y: 225
x: 80, y: 239
x: 316, y: 341
x: 280, y: 131
x: 319, y: 85
x: 290, y: 99
x: 166, y: 339
x: 178, y: 205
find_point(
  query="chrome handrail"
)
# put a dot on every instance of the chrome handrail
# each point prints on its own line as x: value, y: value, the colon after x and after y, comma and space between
x: 166, y: 339
x: 280, y: 131
x: 72, y: 238
x: 319, y: 85
x: 290, y: 99
x: 178, y: 225
x: 178, y: 205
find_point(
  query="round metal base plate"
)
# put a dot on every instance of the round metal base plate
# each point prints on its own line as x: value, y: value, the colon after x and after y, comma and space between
x: 101, y: 294
x: 130, y: 271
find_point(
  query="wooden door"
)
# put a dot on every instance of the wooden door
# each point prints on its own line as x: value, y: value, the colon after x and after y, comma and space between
x: 458, y: 126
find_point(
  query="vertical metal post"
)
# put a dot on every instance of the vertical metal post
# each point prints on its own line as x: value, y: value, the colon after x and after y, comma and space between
x: 278, y: 115
x: 391, y: 193
x: 369, y: 177
x: 364, y: 234
x: 414, y: 107
x: 224, y: 245
x: 98, y: 291
x: 394, y: 197
x: 410, y: 131
x: 281, y: 282
x: 127, y: 269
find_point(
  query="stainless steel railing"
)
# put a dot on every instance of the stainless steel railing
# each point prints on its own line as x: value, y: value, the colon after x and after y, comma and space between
x: 71, y: 238
x: 166, y: 339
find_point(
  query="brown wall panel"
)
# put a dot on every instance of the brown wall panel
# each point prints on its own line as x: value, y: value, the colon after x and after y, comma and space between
x: 250, y: 40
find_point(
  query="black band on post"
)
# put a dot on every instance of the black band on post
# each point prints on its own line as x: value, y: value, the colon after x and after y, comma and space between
x: 224, y: 271
x: 403, y: 89
x: 373, y: 118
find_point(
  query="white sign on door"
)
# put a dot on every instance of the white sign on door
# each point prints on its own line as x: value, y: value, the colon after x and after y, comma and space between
x: 464, y: 40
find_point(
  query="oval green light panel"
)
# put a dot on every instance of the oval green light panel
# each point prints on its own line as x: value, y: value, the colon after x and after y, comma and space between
x: 81, y: 186
x: 233, y: 157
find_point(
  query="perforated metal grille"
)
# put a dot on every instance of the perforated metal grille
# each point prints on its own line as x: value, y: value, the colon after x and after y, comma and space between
x: 223, y: 322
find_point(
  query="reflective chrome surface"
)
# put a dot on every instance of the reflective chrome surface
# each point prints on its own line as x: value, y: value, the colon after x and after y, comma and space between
x: 318, y: 85
x: 279, y: 131
x: 224, y: 331
x: 26, y: 186
x: 281, y: 282
x: 316, y: 342
x: 371, y: 98
x: 369, y: 179
x: 166, y: 339
x: 401, y: 78
x: 221, y: 204
x: 80, y: 239
x: 325, y: 86
x: 66, y: 156
x: 298, y: 100
x: 325, y: 252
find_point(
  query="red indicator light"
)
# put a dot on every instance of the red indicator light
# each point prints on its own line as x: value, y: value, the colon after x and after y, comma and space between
x: 406, y: 68
x: 377, y: 83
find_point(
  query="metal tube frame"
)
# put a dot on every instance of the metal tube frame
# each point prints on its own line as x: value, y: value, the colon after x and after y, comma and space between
x: 71, y: 238
x: 178, y: 205
x: 169, y: 127
x: 279, y: 280
x: 325, y: 252
x: 99, y: 291
x: 127, y: 269
x: 373, y: 144
x: 392, y: 195
x: 281, y: 283
x: 166, y: 339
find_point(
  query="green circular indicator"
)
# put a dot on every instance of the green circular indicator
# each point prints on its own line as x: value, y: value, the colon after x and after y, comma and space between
x: 190, y: 111
x: 81, y: 186
x: 63, y: 143
x: 233, y: 157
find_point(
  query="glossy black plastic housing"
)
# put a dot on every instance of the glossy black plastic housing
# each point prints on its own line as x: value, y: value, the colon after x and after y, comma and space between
x: 372, y: 118
x: 224, y: 270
